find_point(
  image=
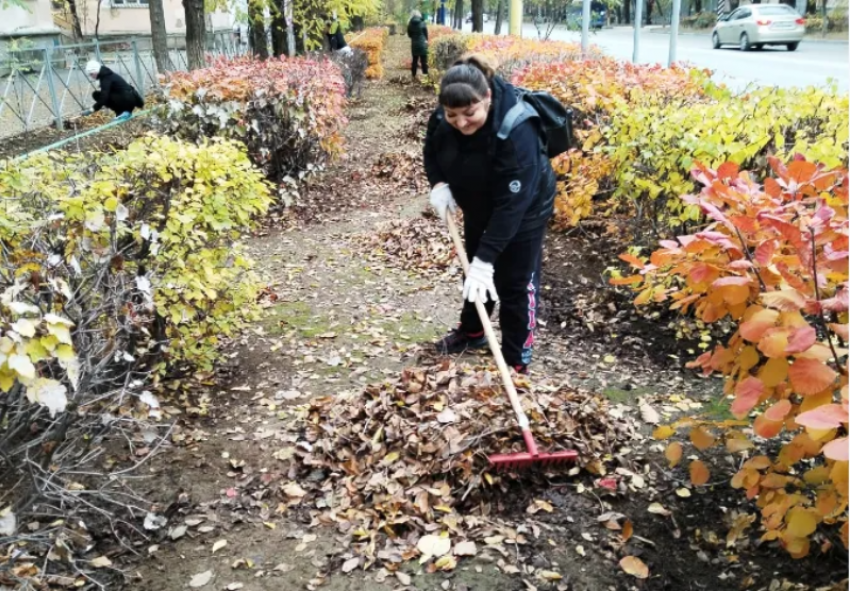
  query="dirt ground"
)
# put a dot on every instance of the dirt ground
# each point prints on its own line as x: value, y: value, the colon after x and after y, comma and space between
x: 338, y: 317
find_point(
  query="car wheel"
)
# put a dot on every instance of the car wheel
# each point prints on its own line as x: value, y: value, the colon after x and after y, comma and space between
x: 715, y: 40
x: 793, y: 46
x: 745, y: 42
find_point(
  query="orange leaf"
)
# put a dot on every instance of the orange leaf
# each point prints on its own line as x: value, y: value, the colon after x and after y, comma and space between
x: 774, y: 342
x: 801, y: 340
x: 764, y: 253
x: 673, y: 453
x: 701, y: 438
x: 766, y: 428
x: 747, y: 394
x: 828, y: 416
x: 699, y: 473
x: 634, y: 566
x: 785, y: 299
x: 632, y: 260
x: 802, y: 171
x: 754, y: 328
x: 628, y: 530
x: 663, y: 432
x: 837, y: 449
x: 727, y: 170
x: 809, y: 376
x: 841, y: 330
x: 772, y: 188
x: 632, y: 279
x: 778, y: 411
x: 734, y: 293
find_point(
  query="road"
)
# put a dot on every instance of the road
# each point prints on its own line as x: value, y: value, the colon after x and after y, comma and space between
x: 814, y: 62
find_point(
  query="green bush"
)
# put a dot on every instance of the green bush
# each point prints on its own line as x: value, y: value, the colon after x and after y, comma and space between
x: 655, y: 145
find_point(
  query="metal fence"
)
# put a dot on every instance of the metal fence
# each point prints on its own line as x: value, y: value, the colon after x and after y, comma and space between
x: 42, y: 87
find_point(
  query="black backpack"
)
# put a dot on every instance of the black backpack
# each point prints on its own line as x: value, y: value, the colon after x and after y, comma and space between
x: 556, y: 121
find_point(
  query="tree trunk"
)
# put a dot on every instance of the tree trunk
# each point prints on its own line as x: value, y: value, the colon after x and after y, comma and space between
x: 627, y: 12
x: 159, y: 37
x: 649, y: 6
x: 259, y: 45
x: 698, y: 6
x: 196, y: 32
x: 97, y: 20
x: 458, y: 20
x: 278, y: 31
x: 500, y: 8
x: 477, y: 16
x: 825, y: 16
x: 75, y: 21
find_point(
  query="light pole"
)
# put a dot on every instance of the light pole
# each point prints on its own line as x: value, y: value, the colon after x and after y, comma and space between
x: 674, y: 31
x: 638, y: 19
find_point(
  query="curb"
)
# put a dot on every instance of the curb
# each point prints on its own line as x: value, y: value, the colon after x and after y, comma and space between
x: 665, y: 31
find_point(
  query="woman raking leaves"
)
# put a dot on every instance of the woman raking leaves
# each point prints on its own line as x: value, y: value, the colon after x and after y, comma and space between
x: 506, y: 190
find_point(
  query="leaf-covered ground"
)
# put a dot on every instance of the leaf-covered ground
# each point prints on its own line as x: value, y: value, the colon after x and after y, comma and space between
x: 260, y: 488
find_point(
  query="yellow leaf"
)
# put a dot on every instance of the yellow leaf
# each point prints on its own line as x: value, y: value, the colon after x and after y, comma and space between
x: 663, y: 432
x: 801, y: 522
x: 634, y: 566
x: 628, y: 530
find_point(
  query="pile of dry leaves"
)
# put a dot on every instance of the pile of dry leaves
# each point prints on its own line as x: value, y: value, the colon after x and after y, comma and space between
x: 403, y: 169
x: 416, y: 244
x: 402, y: 468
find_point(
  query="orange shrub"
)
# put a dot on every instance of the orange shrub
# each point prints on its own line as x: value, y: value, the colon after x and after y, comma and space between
x: 372, y: 41
x: 773, y: 261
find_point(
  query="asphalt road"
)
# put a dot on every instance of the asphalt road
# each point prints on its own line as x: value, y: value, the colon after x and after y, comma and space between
x: 814, y: 62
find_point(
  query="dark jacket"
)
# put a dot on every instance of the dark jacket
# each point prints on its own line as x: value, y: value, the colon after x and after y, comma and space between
x: 417, y: 30
x: 506, y: 188
x: 336, y: 40
x: 115, y: 93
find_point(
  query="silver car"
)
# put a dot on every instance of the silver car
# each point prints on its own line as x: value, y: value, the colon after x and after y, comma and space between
x: 757, y: 25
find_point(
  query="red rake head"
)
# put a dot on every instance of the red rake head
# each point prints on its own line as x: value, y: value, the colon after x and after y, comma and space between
x: 524, y: 460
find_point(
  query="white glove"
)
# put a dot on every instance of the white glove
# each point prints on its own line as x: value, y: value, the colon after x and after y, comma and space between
x: 479, y: 283
x: 442, y: 200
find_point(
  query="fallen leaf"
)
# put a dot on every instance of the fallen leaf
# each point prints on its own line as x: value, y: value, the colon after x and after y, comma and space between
x: 101, y: 562
x: 673, y: 453
x: 628, y: 530
x: 219, y: 545
x: 235, y: 586
x: 634, y: 566
x: 658, y: 509
x: 201, y: 579
x: 466, y: 549
x: 580, y: 550
x: 447, y: 416
x: 431, y: 545
x: 683, y: 492
x: 699, y: 473
x: 649, y: 414
x: 350, y: 564
x: 550, y: 575
x: 403, y: 578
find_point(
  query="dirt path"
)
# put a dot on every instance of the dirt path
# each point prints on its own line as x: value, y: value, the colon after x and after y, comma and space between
x: 339, y: 316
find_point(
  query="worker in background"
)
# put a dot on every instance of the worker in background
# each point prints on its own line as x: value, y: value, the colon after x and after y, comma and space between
x: 333, y: 33
x: 115, y: 93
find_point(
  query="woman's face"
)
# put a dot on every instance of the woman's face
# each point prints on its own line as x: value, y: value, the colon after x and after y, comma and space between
x: 468, y: 120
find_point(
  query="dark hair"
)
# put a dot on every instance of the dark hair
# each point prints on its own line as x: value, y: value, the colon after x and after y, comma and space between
x: 466, y: 82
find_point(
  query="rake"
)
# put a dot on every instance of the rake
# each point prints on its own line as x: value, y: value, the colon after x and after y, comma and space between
x: 522, y: 460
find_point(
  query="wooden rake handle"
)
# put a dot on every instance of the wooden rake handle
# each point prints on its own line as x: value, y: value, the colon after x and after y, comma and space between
x: 504, y: 372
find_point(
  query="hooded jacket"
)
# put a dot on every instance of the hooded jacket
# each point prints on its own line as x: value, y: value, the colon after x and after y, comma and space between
x: 417, y: 30
x: 114, y: 90
x: 506, y: 188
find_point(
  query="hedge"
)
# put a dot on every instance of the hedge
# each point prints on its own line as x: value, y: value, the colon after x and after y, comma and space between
x: 287, y: 111
x: 373, y: 41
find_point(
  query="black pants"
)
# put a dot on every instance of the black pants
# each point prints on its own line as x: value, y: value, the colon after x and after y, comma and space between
x: 119, y: 103
x: 517, y: 280
x: 423, y: 61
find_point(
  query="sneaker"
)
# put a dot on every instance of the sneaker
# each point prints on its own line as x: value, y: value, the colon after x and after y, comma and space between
x: 458, y: 341
x: 521, y: 370
x: 123, y: 116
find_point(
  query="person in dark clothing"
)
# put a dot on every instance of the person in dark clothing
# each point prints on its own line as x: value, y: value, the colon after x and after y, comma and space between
x: 115, y: 93
x: 333, y: 32
x: 506, y: 190
x: 417, y: 30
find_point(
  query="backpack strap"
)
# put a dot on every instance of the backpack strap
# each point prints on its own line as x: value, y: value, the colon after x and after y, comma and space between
x: 516, y: 115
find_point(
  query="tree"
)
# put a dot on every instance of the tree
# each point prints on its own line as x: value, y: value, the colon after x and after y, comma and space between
x: 279, y: 34
x: 256, y: 18
x: 477, y: 16
x: 196, y: 30
x: 500, y: 9
x: 76, y: 24
x: 159, y: 37
x: 458, y: 15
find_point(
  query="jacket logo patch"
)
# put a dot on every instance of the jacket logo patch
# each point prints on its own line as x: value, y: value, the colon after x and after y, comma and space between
x: 515, y: 186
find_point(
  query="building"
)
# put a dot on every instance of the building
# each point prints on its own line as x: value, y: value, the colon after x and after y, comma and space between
x: 28, y: 26
x: 131, y: 18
